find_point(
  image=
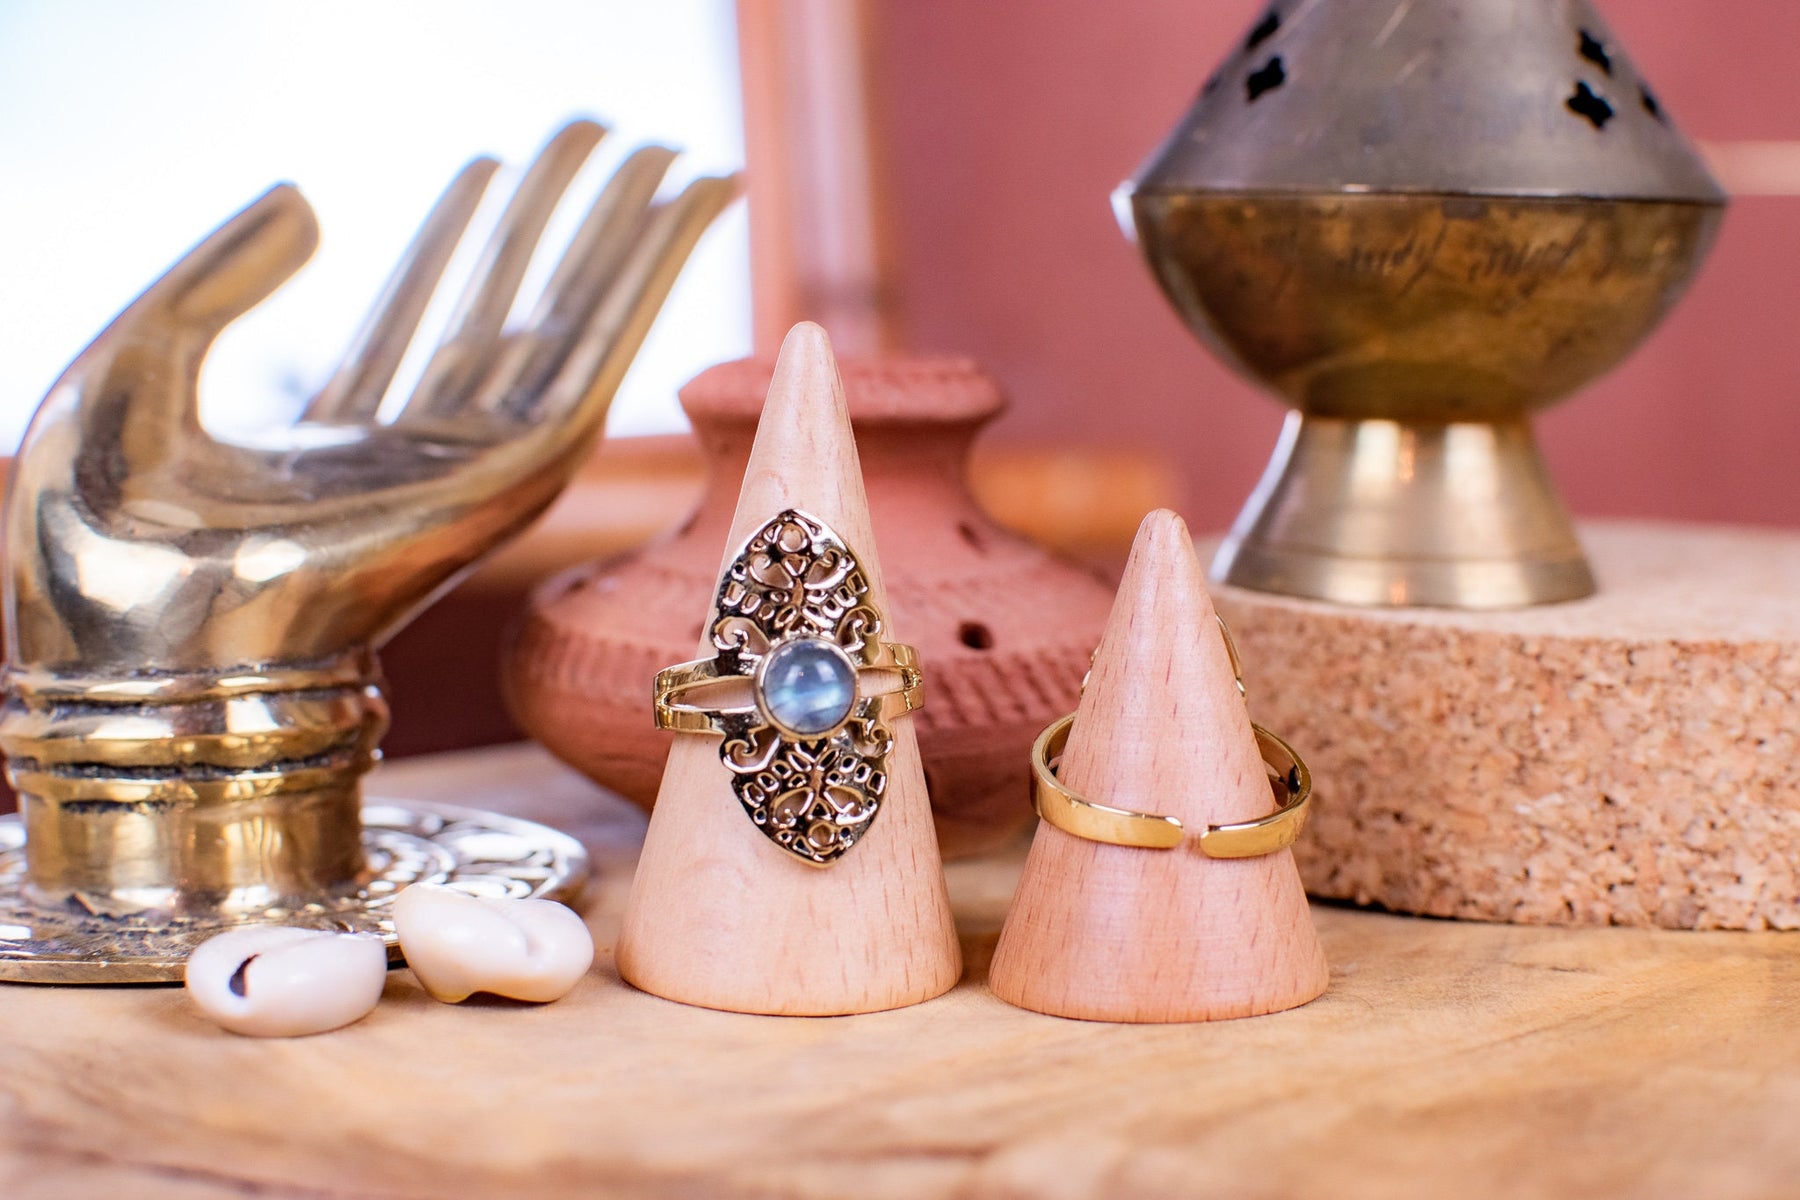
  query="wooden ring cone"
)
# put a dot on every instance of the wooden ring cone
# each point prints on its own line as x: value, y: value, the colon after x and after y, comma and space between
x: 718, y: 915
x: 1120, y: 933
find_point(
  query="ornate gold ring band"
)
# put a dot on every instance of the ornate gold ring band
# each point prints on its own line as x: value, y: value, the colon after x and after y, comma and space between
x: 1288, y: 777
x: 673, y: 682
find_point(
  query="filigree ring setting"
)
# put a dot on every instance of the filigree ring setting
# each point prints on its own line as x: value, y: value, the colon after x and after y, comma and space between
x: 795, y: 688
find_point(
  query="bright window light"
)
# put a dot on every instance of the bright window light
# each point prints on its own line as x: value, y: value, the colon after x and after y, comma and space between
x: 130, y: 130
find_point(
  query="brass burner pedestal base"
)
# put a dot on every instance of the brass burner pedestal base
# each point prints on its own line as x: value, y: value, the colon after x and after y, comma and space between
x: 1406, y: 513
x: 404, y: 843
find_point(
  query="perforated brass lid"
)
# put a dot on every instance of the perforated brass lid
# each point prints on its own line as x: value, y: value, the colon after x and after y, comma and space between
x: 1484, y: 97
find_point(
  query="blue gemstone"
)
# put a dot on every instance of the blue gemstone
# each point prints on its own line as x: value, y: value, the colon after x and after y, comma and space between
x: 808, y: 686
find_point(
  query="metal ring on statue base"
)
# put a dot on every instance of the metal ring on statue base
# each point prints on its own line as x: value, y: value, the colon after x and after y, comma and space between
x: 405, y: 842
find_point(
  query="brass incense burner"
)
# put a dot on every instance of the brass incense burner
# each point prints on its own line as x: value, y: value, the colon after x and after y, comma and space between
x: 192, y: 693
x: 1419, y: 221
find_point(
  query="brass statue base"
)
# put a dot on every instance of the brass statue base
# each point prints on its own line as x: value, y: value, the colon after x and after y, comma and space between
x: 80, y: 941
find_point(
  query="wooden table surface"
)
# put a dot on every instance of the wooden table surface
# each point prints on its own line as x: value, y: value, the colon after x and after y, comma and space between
x: 1447, y: 1059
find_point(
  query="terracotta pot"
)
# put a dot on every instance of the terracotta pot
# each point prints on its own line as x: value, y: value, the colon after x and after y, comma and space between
x: 1004, y: 630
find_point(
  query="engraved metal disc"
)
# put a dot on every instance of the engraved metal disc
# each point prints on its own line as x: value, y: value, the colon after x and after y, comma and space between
x: 405, y: 842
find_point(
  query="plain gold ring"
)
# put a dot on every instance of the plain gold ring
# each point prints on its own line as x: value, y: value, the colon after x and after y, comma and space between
x: 1076, y: 814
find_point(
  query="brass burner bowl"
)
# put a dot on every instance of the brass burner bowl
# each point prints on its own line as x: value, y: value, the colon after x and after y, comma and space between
x: 1413, y: 335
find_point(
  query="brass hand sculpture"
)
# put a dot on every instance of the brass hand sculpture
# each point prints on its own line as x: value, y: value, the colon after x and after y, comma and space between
x: 192, y: 693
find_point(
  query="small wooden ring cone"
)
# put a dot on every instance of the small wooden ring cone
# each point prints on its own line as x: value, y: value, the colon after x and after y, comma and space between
x: 1118, y: 933
x: 718, y: 915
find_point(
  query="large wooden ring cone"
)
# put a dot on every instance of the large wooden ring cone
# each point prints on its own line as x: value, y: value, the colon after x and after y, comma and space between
x: 1118, y: 933
x: 720, y: 916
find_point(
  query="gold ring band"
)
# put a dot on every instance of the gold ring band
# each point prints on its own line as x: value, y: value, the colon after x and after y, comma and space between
x: 1121, y: 827
x: 672, y: 682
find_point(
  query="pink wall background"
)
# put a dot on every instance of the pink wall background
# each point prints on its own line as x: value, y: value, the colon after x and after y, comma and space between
x: 1008, y: 122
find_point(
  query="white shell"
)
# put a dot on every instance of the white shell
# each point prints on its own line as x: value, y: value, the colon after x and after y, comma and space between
x: 458, y: 944
x: 278, y: 981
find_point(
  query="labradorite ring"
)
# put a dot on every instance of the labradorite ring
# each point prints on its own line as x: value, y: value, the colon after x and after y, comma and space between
x: 802, y: 688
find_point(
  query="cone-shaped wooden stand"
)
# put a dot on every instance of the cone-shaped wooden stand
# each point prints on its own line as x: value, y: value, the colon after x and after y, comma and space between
x: 1117, y: 933
x: 719, y: 915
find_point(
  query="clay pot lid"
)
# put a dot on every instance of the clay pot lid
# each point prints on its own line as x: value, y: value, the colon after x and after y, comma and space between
x: 876, y: 389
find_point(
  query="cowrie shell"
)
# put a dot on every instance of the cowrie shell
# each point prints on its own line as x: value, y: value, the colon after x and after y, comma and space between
x: 458, y: 944
x: 279, y: 981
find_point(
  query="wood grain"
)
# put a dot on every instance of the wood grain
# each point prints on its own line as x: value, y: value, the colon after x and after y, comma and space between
x: 1121, y: 933
x: 721, y: 916
x: 1447, y: 1058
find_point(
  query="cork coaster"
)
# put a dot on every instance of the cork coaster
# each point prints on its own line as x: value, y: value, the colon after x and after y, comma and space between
x: 1628, y: 759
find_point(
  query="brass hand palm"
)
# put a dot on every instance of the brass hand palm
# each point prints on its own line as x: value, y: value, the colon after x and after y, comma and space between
x: 138, y: 545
